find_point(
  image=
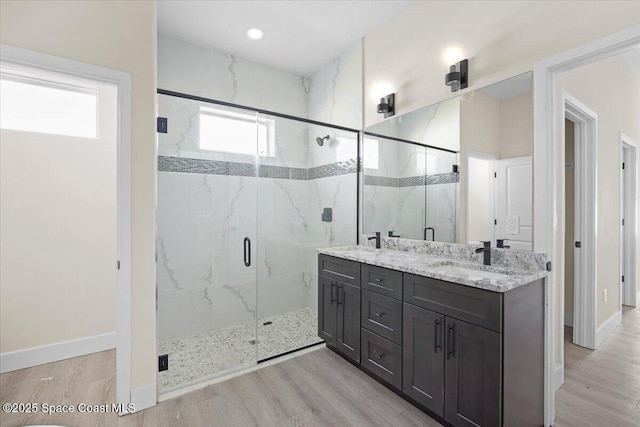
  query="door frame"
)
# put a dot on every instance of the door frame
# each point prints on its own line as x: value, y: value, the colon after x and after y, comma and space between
x: 122, y: 80
x: 547, y: 187
x: 629, y: 295
x: 484, y: 156
x: 585, y: 226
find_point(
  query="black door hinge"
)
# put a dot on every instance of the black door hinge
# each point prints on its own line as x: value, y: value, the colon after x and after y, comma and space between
x: 495, y: 222
x: 623, y: 221
x: 163, y: 362
x: 622, y: 165
x: 578, y: 244
x: 162, y: 125
x: 118, y: 264
x: 622, y: 279
x: 455, y: 168
x: 495, y: 174
x: 548, y: 265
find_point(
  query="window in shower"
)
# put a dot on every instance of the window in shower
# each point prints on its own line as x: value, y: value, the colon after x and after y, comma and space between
x: 371, y: 156
x: 233, y: 132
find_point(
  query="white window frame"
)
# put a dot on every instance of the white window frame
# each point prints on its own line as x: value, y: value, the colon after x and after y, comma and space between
x: 254, y: 118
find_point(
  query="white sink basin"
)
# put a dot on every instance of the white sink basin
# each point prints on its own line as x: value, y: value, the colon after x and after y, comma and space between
x: 471, y: 273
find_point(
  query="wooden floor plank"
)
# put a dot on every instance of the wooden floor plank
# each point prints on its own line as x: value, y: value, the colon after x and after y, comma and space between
x: 602, y: 388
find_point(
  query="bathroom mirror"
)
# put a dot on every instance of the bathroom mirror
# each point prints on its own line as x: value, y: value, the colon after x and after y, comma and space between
x: 459, y: 171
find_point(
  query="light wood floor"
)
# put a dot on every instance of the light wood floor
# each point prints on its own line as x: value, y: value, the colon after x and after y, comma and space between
x: 602, y: 388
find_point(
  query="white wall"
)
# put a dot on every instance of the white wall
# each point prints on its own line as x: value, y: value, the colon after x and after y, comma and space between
x: 501, y: 40
x: 516, y: 126
x: 119, y: 35
x: 617, y: 104
x: 480, y: 186
x: 58, y: 240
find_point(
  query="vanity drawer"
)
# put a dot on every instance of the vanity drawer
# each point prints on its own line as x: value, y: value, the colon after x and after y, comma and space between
x: 477, y: 306
x: 381, y: 357
x: 341, y: 269
x: 382, y: 315
x: 382, y: 280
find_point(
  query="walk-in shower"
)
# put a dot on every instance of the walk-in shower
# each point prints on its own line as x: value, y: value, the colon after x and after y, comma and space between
x: 242, y: 202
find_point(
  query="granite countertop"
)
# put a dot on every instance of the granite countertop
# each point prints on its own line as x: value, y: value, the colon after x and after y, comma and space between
x: 438, y: 267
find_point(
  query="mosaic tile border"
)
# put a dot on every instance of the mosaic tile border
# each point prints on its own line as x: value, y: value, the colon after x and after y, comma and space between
x: 217, y: 167
x: 412, y: 181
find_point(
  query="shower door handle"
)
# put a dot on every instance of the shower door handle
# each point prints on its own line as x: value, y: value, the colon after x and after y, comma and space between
x: 247, y: 251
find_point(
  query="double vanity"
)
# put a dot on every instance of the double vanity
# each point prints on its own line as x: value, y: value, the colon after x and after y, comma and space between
x: 461, y: 340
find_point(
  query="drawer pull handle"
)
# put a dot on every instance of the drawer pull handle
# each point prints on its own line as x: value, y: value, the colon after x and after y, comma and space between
x: 379, y: 356
x: 333, y: 285
x: 379, y: 314
x: 378, y: 280
x: 436, y: 343
x: 340, y: 292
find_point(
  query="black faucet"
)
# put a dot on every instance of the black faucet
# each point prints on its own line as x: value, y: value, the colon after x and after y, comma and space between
x: 377, y: 237
x: 393, y: 235
x: 487, y: 252
x: 433, y: 235
x: 501, y: 243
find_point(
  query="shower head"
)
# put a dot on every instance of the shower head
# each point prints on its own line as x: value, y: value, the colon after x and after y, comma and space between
x: 320, y: 141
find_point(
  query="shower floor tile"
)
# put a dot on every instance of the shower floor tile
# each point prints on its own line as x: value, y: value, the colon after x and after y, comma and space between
x: 198, y: 357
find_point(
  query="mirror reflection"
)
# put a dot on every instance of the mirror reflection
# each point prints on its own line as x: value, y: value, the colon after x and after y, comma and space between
x: 457, y: 171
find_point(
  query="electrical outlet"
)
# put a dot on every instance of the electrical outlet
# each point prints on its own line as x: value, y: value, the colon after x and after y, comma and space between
x: 604, y: 294
x: 163, y: 362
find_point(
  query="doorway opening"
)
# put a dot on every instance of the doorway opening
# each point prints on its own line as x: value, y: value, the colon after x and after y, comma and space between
x: 71, y: 123
x: 579, y: 289
x: 628, y: 221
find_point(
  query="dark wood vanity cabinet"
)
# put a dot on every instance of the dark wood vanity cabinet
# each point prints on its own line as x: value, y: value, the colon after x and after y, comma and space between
x: 339, y: 305
x: 452, y: 367
x: 470, y: 356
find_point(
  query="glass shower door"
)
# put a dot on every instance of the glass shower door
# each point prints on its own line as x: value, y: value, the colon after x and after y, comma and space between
x: 206, y: 240
x: 306, y: 200
x: 441, y: 190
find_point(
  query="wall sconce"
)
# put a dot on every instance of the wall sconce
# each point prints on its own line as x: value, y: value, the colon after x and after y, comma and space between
x: 458, y: 76
x: 387, y: 105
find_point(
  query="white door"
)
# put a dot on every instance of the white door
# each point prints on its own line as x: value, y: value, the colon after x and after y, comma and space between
x: 514, y: 207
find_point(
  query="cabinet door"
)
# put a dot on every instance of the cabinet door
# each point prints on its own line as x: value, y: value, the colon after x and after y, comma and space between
x: 348, y: 335
x: 472, y: 375
x: 327, y: 309
x: 423, y: 357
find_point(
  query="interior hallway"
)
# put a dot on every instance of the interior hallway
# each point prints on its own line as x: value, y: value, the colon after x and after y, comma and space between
x: 602, y: 388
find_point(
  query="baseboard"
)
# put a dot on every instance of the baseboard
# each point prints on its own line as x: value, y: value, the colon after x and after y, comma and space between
x: 144, y: 397
x: 558, y: 377
x: 568, y: 319
x: 55, y: 352
x: 607, y: 327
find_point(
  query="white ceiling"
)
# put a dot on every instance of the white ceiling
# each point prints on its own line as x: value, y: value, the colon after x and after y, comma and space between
x: 300, y: 36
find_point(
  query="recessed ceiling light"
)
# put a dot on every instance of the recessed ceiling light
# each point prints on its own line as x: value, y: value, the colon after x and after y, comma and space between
x: 255, y: 33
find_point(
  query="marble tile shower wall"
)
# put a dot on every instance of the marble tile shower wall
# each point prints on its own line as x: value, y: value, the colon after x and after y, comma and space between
x: 203, y: 217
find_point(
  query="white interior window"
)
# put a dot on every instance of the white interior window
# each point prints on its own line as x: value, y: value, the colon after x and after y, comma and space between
x: 233, y: 132
x: 346, y: 149
x: 371, y: 153
x: 47, y: 105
